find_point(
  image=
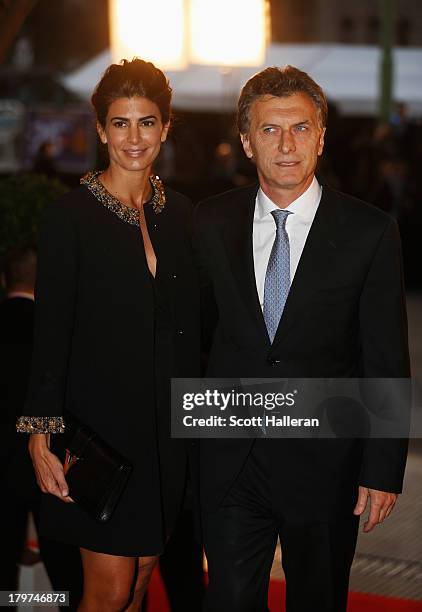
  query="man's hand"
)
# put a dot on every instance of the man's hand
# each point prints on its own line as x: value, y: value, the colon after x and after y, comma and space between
x: 48, y: 469
x: 381, y: 504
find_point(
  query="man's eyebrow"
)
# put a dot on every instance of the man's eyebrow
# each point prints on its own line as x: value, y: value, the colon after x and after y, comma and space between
x: 272, y: 124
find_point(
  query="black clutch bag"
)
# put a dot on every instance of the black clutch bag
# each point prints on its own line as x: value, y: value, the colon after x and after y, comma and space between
x: 95, y: 473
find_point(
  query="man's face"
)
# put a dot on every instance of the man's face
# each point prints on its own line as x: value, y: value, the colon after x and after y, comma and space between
x: 285, y: 139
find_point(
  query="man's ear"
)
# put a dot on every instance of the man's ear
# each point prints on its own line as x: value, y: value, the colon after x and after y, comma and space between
x: 101, y: 133
x: 321, y: 141
x: 246, y: 145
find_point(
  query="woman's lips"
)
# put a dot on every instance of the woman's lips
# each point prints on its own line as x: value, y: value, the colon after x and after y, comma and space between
x: 135, y: 152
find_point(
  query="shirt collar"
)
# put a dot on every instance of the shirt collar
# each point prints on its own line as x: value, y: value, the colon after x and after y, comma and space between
x: 304, y: 206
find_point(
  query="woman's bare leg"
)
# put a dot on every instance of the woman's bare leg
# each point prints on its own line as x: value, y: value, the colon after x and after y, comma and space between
x: 108, y: 582
x: 145, y: 569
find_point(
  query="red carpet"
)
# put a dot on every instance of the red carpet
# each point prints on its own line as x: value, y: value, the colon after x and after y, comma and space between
x: 358, y: 602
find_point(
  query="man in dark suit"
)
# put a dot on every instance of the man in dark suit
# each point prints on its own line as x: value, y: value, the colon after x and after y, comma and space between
x: 307, y: 283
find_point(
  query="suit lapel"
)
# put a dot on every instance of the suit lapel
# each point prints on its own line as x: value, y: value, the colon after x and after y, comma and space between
x: 316, y: 260
x: 237, y: 233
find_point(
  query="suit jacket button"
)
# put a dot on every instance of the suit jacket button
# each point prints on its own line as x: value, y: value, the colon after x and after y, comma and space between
x: 174, y: 276
x: 180, y: 332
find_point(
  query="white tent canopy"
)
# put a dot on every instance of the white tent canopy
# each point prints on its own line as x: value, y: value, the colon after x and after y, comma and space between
x: 349, y: 74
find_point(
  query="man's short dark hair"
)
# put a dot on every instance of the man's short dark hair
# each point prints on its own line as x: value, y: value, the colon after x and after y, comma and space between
x: 279, y: 82
x: 20, y: 267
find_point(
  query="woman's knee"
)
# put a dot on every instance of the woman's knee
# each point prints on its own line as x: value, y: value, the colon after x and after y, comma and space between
x: 108, y: 582
x: 110, y: 597
x: 117, y: 593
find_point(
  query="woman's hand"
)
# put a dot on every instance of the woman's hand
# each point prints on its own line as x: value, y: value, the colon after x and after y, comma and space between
x: 48, y: 469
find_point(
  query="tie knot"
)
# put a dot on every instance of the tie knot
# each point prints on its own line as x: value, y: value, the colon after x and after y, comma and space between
x: 280, y: 217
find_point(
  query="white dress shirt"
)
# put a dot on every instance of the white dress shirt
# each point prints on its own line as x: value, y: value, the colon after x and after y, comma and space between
x: 298, y: 225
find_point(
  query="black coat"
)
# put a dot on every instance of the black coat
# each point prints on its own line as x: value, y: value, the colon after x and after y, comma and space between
x: 95, y: 352
x: 16, y: 329
x: 344, y: 317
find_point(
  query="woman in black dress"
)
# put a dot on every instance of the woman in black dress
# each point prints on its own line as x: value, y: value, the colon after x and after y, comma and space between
x: 116, y: 317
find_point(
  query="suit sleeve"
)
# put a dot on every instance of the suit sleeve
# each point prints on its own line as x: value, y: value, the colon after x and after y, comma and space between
x: 385, y: 353
x: 55, y: 298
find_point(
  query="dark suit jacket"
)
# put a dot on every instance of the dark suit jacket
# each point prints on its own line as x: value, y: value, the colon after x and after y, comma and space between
x: 16, y: 329
x: 345, y: 317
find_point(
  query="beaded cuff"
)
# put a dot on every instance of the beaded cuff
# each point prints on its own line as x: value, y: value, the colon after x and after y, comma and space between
x: 40, y: 424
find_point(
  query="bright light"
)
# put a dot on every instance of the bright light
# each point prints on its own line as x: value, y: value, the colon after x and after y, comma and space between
x: 228, y: 32
x: 152, y: 31
x: 220, y: 32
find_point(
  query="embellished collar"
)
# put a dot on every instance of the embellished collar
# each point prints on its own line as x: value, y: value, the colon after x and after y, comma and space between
x: 125, y: 213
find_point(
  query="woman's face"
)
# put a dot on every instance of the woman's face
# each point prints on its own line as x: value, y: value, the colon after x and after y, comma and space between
x: 133, y: 133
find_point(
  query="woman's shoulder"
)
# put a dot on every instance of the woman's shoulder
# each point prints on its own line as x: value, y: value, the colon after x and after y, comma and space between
x: 69, y: 212
x: 178, y: 201
x: 72, y: 199
x: 72, y: 204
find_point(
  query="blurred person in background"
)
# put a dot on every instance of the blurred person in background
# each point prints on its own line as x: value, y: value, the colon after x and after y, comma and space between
x: 16, y: 328
x: 116, y: 317
x: 392, y: 188
x: 44, y: 162
x: 20, y: 492
x: 404, y: 131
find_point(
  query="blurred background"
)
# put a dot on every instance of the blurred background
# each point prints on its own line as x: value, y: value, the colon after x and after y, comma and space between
x: 367, y: 56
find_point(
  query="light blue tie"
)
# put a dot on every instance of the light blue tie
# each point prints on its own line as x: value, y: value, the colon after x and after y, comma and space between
x: 277, y: 276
